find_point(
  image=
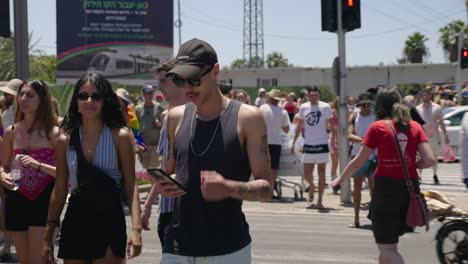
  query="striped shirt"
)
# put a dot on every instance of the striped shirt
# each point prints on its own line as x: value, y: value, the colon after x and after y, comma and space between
x: 166, y: 204
x: 105, y: 158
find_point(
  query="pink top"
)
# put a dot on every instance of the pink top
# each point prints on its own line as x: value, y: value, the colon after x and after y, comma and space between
x: 32, y: 181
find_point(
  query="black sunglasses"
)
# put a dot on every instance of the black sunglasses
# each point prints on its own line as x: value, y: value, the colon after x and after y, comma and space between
x: 180, y: 81
x: 84, y: 96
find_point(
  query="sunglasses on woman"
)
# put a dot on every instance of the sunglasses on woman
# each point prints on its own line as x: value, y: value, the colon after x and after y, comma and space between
x: 84, y: 96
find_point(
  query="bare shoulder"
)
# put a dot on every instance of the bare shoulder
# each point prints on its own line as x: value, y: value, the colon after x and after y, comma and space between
x: 62, y: 140
x: 8, y: 133
x: 175, y: 117
x: 250, y: 113
x: 176, y: 113
x: 122, y: 133
x: 55, y: 133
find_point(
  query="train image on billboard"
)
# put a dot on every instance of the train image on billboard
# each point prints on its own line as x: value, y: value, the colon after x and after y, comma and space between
x: 115, y: 64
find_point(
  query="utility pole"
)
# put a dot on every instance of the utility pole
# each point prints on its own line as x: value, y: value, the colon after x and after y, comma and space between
x: 178, y: 23
x: 343, y: 109
x: 459, y: 66
x: 461, y: 42
x: 21, y: 39
x: 253, y: 33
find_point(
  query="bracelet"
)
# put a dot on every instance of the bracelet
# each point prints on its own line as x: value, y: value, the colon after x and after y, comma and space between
x: 52, y: 221
x: 40, y: 165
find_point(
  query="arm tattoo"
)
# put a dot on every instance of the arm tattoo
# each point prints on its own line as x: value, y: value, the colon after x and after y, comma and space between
x: 264, y: 147
x: 246, y: 191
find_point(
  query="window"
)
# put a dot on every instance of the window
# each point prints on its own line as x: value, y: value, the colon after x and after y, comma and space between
x: 99, y: 62
x: 456, y: 119
x: 123, y: 64
x: 273, y: 82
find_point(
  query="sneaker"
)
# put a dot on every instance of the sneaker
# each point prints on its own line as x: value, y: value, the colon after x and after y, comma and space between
x: 436, y: 179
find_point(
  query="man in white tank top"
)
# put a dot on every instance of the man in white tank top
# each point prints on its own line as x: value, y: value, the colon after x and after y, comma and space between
x: 358, y: 124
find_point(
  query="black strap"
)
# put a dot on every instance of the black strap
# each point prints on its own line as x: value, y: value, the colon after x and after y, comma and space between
x: 402, y: 160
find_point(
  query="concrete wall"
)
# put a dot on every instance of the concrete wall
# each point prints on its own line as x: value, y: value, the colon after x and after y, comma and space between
x: 359, y: 78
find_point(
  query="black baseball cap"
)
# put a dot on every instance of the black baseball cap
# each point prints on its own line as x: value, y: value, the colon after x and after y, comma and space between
x: 194, y: 58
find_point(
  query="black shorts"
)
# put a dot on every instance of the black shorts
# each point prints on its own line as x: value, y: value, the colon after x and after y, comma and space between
x: 388, y: 208
x: 275, y: 154
x: 21, y: 213
x: 87, y: 231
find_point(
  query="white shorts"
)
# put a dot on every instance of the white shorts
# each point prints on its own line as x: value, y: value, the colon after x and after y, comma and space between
x: 242, y: 256
x: 315, y: 158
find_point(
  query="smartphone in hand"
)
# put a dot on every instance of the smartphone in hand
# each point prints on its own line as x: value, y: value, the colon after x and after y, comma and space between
x: 162, y: 175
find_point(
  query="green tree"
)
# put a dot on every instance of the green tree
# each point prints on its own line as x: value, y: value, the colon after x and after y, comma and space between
x: 41, y: 66
x: 415, y: 49
x: 238, y: 64
x: 449, y: 38
x: 256, y: 62
x: 276, y: 60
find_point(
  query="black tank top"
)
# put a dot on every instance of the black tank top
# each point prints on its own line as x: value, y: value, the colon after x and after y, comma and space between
x: 198, y: 227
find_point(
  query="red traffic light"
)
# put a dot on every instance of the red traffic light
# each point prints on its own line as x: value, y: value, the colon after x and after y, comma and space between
x: 465, y: 53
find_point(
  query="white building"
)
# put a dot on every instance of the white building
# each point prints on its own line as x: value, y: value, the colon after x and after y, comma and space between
x: 359, y: 78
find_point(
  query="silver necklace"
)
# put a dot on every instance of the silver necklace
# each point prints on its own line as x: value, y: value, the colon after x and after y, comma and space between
x: 212, y: 136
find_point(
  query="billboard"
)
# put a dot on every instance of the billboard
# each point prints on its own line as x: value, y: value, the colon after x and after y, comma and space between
x: 120, y: 39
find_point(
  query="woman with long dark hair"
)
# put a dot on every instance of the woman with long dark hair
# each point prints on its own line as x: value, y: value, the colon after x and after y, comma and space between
x: 30, y: 143
x: 96, y: 154
x: 390, y: 199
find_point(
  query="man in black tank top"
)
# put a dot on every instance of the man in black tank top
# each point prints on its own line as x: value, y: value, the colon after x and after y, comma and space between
x: 215, y: 144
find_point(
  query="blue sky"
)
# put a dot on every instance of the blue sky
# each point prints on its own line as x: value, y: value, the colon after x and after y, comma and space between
x: 294, y: 28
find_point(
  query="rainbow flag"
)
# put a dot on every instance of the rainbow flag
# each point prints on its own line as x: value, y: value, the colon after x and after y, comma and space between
x: 134, y: 125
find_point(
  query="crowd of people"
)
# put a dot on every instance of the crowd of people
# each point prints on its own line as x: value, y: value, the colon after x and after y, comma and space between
x: 219, y: 144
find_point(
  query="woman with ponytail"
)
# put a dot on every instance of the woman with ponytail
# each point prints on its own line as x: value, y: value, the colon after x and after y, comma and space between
x: 390, y: 199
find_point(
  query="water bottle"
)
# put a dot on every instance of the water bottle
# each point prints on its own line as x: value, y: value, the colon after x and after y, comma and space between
x: 15, y: 173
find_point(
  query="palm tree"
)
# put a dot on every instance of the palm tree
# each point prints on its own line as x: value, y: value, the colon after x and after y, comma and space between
x: 41, y: 66
x: 449, y: 38
x: 238, y: 64
x: 415, y: 48
x: 276, y: 60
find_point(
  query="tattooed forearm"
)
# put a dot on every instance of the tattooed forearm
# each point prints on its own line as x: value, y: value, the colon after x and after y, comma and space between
x: 258, y: 190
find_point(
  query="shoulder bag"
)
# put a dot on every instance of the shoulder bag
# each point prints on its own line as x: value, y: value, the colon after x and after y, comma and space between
x: 418, y: 213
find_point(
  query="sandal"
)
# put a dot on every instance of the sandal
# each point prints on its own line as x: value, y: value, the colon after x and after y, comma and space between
x: 355, y: 225
x: 5, y: 256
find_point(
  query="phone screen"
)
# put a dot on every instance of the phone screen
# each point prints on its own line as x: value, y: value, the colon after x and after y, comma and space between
x: 160, y: 174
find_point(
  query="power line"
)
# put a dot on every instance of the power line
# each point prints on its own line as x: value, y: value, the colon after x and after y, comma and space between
x: 394, y: 18
x: 429, y: 9
x: 289, y: 37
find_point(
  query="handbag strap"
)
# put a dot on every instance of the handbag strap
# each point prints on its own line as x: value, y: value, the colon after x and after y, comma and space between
x: 402, y: 160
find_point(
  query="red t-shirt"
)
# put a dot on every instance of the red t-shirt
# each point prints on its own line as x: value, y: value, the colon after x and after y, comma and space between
x: 380, y: 136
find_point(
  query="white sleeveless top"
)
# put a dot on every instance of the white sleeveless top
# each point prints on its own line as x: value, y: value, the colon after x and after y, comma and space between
x: 361, y: 124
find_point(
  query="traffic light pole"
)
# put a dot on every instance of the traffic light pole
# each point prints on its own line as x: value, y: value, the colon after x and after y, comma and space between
x: 343, y: 108
x: 21, y: 39
x: 459, y: 67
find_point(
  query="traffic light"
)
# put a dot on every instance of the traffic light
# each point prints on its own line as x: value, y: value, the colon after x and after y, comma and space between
x: 351, y: 15
x: 5, y: 18
x: 351, y: 10
x: 464, y: 58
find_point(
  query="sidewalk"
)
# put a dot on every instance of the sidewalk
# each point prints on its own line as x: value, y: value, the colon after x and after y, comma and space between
x: 332, y: 203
